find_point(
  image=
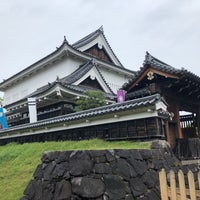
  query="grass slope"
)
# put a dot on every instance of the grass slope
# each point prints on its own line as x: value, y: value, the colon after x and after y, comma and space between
x: 19, y: 161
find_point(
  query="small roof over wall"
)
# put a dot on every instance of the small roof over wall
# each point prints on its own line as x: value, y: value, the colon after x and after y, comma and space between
x: 151, y: 106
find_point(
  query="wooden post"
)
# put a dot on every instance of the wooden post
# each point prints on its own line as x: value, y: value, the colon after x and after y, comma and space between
x: 173, y: 185
x: 199, y: 179
x: 181, y: 192
x: 191, y: 186
x: 163, y: 185
x: 180, y: 134
x: 182, y: 185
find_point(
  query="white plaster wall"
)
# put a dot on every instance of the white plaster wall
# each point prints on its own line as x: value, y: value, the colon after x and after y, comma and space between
x: 29, y: 85
x: 114, y: 80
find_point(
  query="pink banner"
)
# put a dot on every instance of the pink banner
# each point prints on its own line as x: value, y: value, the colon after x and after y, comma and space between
x: 120, y: 96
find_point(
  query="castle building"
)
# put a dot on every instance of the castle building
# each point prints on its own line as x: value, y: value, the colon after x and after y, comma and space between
x: 57, y: 80
x: 161, y: 102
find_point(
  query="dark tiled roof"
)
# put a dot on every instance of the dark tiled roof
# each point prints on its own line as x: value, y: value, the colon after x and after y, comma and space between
x: 37, y: 62
x: 92, y: 36
x: 158, y: 64
x: 83, y: 88
x: 70, y: 79
x: 151, y: 61
x: 77, y: 74
x: 128, y: 105
x: 139, y: 93
x: 104, y: 80
x: 59, y: 49
x: 41, y: 90
x: 33, y: 94
x: 76, y: 88
x: 80, y: 72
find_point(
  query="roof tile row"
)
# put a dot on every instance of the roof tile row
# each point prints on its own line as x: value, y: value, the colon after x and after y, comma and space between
x: 133, y: 104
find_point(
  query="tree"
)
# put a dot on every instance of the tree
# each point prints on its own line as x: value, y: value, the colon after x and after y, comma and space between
x: 92, y: 99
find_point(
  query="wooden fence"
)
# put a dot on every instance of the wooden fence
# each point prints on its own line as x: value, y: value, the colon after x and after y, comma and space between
x: 177, y: 189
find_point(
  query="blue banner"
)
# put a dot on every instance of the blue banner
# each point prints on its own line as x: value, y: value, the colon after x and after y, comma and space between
x: 3, y: 122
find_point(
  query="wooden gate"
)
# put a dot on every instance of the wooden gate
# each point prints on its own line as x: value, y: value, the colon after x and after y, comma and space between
x: 177, y: 189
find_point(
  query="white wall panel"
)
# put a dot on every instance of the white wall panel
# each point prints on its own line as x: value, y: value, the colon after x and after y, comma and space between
x: 114, y: 80
x: 37, y: 80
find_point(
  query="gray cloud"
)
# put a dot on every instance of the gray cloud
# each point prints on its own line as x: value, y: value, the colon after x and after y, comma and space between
x: 168, y: 29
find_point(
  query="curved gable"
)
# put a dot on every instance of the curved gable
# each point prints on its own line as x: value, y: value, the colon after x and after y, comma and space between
x: 97, y: 45
x: 99, y: 53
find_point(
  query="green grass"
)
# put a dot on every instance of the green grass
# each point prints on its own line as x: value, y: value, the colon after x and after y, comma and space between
x: 19, y: 161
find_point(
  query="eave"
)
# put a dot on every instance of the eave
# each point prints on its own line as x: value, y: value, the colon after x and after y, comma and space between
x: 56, y: 89
x: 83, y: 72
x: 146, y: 71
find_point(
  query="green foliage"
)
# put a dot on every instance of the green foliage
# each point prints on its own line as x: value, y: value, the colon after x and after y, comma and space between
x: 93, y: 99
x: 19, y: 161
x: 1, y: 101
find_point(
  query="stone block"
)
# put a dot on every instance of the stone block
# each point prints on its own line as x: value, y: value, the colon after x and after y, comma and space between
x: 137, y: 187
x: 146, y: 154
x: 88, y: 187
x: 115, y: 187
x: 150, y: 179
x: 110, y: 155
x: 102, y: 168
x: 100, y: 175
x: 80, y: 163
x: 63, y: 190
x: 122, y: 168
x: 34, y: 190
x: 38, y: 174
x: 139, y: 166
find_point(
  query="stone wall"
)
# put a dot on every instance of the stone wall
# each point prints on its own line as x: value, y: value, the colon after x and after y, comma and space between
x: 100, y: 175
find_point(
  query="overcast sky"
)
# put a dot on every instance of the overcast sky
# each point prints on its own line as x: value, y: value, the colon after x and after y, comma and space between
x: 168, y: 29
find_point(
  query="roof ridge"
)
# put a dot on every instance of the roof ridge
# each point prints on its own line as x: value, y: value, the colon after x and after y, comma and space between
x: 149, y: 58
x: 112, y: 50
x: 94, y: 35
x: 155, y: 63
x: 104, y: 80
x: 78, y: 73
x: 65, y: 40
